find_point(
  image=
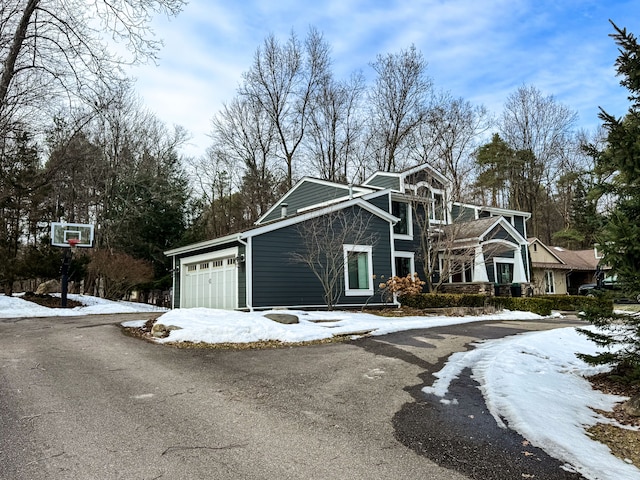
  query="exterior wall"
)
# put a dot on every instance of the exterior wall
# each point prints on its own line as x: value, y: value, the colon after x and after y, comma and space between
x: 277, y: 280
x: 307, y: 194
x: 519, y: 225
x: 559, y: 280
x: 501, y: 234
x: 382, y: 202
x: 541, y: 255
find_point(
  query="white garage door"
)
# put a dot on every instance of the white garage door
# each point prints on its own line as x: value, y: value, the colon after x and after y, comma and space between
x: 210, y: 282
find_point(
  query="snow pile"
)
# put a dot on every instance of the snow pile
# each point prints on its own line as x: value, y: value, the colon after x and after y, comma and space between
x: 13, y: 307
x: 535, y: 383
x: 223, y: 326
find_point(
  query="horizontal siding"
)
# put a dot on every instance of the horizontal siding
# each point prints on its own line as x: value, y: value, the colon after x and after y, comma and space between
x: 280, y: 281
x: 518, y: 223
x: 381, y: 201
x: 307, y: 194
x: 460, y: 213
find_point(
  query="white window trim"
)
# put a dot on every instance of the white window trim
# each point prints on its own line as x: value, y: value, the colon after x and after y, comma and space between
x: 368, y: 249
x: 410, y: 256
x: 549, y: 282
x: 497, y: 260
x: 409, y: 234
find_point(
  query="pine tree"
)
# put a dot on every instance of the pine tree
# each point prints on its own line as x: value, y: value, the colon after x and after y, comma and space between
x: 619, y: 241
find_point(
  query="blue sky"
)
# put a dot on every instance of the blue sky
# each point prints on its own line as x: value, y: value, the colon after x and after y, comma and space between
x: 480, y: 50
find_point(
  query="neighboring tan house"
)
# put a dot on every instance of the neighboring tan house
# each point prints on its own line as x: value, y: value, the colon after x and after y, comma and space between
x: 559, y: 271
x: 254, y: 269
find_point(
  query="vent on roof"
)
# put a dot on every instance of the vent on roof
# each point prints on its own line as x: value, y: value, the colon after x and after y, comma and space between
x: 283, y: 210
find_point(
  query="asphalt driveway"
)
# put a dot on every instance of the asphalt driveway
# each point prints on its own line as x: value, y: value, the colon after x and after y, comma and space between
x: 81, y: 400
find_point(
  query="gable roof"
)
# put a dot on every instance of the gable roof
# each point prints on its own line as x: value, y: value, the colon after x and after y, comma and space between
x: 585, y: 260
x: 285, y: 222
x: 476, y: 230
x: 397, y: 180
x: 310, y: 192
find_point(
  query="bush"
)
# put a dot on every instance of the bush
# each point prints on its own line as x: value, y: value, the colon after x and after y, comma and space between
x: 443, y: 300
x: 542, y: 305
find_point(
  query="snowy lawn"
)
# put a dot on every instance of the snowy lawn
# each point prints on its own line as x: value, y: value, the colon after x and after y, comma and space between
x: 530, y: 381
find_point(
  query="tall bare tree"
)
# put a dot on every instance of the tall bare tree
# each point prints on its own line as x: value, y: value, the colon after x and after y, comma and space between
x: 335, y: 128
x: 397, y: 105
x: 283, y: 81
x: 448, y: 137
x: 539, y: 130
x: 245, y: 141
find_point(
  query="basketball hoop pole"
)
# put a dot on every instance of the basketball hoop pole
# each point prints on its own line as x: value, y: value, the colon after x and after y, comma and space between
x: 66, y: 261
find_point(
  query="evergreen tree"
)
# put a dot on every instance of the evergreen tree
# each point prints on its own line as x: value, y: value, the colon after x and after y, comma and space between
x: 620, y: 164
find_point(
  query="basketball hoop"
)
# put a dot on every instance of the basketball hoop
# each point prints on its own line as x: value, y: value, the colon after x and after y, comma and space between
x: 73, y: 243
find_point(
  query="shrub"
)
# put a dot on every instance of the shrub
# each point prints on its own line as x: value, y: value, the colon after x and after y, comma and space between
x: 402, y: 286
x: 542, y: 305
x: 443, y: 300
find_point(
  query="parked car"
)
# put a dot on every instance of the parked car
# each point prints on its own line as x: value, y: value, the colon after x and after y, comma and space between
x: 608, y: 285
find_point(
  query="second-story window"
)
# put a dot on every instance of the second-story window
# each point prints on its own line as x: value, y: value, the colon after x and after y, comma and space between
x: 401, y: 210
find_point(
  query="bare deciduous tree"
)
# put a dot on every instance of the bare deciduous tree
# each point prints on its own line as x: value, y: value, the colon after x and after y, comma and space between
x: 335, y: 128
x: 53, y: 48
x: 448, y: 137
x: 283, y: 82
x: 324, y: 238
x: 398, y: 104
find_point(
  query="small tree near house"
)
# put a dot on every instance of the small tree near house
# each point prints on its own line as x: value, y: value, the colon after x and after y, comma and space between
x: 323, y: 240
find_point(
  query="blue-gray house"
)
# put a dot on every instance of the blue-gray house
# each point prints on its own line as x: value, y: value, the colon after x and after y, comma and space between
x: 257, y: 268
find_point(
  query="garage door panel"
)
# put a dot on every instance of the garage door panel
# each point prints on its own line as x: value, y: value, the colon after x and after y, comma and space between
x: 211, y: 283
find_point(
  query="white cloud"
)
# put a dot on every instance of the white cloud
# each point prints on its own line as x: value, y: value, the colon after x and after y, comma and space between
x: 481, y: 51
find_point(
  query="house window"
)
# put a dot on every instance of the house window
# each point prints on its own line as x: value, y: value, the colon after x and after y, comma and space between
x: 403, y: 266
x: 549, y: 284
x: 504, y: 273
x: 437, y: 212
x: 403, y: 212
x: 358, y: 270
x: 461, y: 272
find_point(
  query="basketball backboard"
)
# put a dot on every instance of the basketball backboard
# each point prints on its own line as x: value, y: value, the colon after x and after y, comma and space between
x: 61, y: 233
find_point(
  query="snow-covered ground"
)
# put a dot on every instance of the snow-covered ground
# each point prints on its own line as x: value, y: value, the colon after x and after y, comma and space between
x: 12, y: 307
x: 533, y: 382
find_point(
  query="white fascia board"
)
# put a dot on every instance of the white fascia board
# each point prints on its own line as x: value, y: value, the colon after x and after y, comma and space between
x: 286, y: 222
x: 384, y: 174
x: 425, y: 166
x: 496, y: 210
x: 509, y: 228
x: 200, y: 245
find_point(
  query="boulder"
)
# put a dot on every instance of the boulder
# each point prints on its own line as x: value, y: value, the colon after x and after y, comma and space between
x: 632, y: 406
x: 285, y: 318
x: 50, y: 286
x: 162, y: 331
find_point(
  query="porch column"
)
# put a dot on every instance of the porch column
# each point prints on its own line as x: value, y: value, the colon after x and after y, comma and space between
x: 519, y: 275
x: 479, y: 267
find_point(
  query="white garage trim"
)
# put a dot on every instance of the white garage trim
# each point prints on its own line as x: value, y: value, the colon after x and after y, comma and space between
x: 210, y: 280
